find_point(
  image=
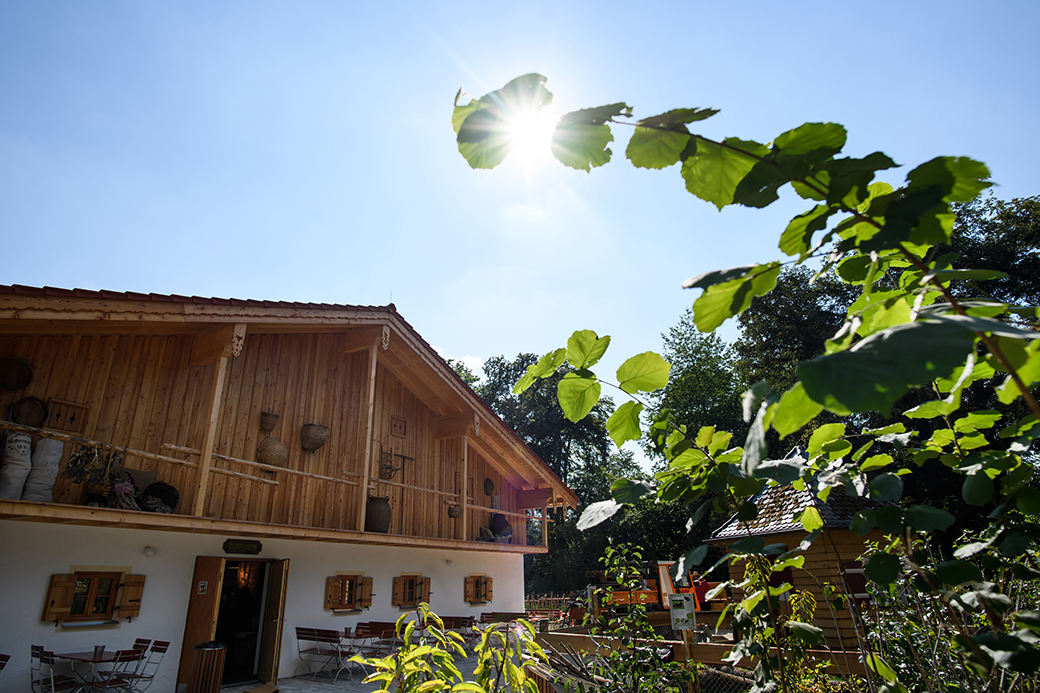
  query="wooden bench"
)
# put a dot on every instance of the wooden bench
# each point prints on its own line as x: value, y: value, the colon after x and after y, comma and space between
x: 323, y: 646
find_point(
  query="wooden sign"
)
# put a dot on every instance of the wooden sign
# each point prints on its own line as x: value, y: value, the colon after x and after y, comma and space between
x: 246, y: 546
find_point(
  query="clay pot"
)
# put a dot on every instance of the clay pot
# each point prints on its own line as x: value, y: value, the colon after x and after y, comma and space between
x: 377, y: 514
x: 313, y: 436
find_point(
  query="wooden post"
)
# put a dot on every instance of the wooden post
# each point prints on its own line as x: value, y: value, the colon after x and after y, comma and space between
x: 233, y: 346
x: 465, y: 485
x: 366, y: 465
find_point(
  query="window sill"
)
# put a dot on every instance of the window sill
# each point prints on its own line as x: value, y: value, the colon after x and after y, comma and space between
x: 88, y: 624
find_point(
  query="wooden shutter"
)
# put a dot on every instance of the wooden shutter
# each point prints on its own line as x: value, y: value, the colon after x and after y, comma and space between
x: 59, y: 598
x: 130, y: 597
x: 471, y: 590
x: 334, y: 592
x: 398, y: 598
x: 488, y: 593
x: 424, y: 593
x: 364, y: 599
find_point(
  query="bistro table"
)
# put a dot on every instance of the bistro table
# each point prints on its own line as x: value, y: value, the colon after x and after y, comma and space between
x: 84, y: 665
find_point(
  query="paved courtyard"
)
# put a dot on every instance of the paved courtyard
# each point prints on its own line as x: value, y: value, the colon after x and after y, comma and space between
x: 323, y: 682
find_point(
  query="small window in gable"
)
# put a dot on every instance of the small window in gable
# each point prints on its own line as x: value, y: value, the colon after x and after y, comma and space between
x: 351, y: 592
x: 410, y: 590
x: 479, y: 589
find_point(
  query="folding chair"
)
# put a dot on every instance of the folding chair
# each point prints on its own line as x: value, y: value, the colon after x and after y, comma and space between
x: 121, y: 676
x: 144, y: 676
x: 42, y: 678
x: 141, y: 644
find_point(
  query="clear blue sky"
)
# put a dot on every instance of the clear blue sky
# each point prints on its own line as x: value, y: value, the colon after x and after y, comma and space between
x: 303, y: 150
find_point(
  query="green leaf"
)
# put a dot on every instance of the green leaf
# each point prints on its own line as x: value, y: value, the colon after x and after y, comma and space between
x: 485, y: 138
x: 797, y: 237
x: 722, y: 301
x: 877, y: 371
x: 848, y: 176
x: 690, y: 559
x: 545, y: 367
x: 886, y: 487
x: 759, y: 187
x: 754, y: 545
x: 703, y: 281
x: 623, y: 424
x: 655, y: 148
x: 585, y: 348
x: 880, y: 667
x: 823, y: 435
x: 581, y: 137
x: 977, y: 420
x: 862, y: 522
x: 811, y: 519
x: 628, y: 491
x: 747, y: 512
x: 794, y: 411
x: 960, y: 178
x: 875, y: 462
x: 977, y: 489
x: 957, y: 572
x: 596, y: 513
x: 644, y: 372
x: 577, y: 394
x: 810, y: 635
x: 677, y: 118
x: 822, y: 139
x: 882, y: 568
x: 714, y: 170
x: 925, y: 518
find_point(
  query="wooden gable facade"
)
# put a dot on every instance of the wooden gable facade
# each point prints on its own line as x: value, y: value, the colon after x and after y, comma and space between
x: 180, y: 385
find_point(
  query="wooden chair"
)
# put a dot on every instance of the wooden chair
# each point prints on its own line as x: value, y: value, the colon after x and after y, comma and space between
x: 121, y: 676
x: 42, y: 678
x: 142, y: 679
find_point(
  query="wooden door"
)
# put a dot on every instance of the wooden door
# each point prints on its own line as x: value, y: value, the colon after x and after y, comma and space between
x: 201, y: 623
x: 274, y: 615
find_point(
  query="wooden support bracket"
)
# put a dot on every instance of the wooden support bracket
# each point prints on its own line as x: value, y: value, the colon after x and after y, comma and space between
x: 456, y: 426
x: 220, y: 341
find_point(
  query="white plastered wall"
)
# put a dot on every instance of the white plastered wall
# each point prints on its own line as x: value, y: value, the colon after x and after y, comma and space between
x: 31, y: 552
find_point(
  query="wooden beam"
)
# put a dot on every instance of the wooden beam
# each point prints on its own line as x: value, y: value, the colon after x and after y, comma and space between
x: 464, y: 503
x: 361, y: 338
x: 259, y: 465
x: 209, y: 435
x: 366, y: 462
x: 456, y: 426
x: 535, y: 498
x: 494, y: 457
x: 29, y: 511
x: 219, y: 341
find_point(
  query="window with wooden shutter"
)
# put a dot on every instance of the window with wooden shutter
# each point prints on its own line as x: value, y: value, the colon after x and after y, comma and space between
x: 365, y: 598
x: 409, y: 590
x: 478, y: 589
x: 488, y: 592
x: 130, y: 597
x: 344, y: 592
x: 59, y: 598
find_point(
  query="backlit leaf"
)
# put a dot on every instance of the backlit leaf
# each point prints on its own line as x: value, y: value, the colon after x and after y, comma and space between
x: 596, y: 513
x: 678, y: 118
x: 543, y: 368
x: 644, y: 372
x: 628, y: 491
x: 714, y: 171
x: 723, y: 301
x: 703, y: 281
x: 811, y: 519
x: 794, y: 411
x: 655, y: 148
x: 623, y: 424
x: 810, y: 635
x: 823, y: 435
x: 585, y: 348
x: 577, y: 395
x: 960, y: 178
x: 581, y: 137
x: 797, y: 237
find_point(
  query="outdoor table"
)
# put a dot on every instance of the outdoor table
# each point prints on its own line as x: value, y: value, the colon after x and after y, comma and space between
x: 88, y: 657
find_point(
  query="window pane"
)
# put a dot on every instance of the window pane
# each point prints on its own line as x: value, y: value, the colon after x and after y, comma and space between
x: 104, y: 586
x: 78, y: 606
x: 100, y: 605
x: 82, y: 586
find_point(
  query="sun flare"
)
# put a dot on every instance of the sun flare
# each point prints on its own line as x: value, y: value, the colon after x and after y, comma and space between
x: 531, y: 134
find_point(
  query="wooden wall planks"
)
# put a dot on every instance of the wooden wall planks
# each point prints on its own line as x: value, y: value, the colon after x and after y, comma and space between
x: 142, y: 393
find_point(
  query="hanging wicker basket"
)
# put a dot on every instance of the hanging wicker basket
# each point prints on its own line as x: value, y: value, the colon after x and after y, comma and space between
x: 271, y: 451
x: 268, y: 420
x: 454, y: 511
x: 313, y: 436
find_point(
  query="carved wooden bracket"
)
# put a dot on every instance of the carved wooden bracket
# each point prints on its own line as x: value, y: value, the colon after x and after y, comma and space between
x: 216, y: 342
x: 456, y: 426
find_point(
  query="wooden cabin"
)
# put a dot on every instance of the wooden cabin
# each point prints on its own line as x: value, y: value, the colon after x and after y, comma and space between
x: 330, y: 467
x: 833, y: 558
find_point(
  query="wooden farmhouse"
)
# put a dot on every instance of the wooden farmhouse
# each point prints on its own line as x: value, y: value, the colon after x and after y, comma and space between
x: 832, y: 558
x: 233, y: 469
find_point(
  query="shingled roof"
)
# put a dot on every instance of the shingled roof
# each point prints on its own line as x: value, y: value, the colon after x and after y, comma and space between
x: 780, y: 508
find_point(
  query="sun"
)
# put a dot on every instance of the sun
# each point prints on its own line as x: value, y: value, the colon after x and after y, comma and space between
x: 531, y: 133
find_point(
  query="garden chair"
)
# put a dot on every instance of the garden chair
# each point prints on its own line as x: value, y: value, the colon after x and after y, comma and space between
x: 142, y: 679
x: 42, y: 678
x: 120, y: 677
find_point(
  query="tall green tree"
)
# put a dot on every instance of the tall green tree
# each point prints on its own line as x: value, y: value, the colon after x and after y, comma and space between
x: 535, y: 416
x: 704, y: 387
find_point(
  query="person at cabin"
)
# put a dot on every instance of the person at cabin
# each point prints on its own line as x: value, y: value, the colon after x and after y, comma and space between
x: 700, y: 589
